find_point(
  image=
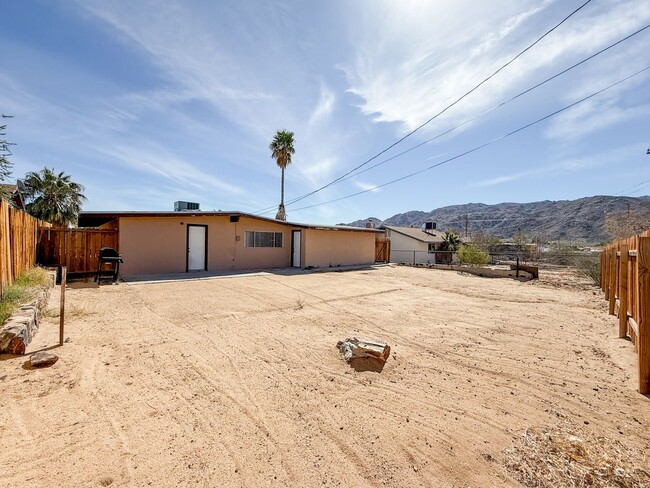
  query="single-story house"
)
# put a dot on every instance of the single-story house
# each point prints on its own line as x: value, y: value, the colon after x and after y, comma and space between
x: 415, y: 245
x: 185, y: 241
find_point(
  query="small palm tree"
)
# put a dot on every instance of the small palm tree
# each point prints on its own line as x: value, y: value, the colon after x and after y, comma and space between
x: 53, y: 197
x: 451, y: 241
x: 281, y: 150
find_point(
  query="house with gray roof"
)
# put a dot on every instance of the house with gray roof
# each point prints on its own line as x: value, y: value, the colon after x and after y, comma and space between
x: 417, y: 245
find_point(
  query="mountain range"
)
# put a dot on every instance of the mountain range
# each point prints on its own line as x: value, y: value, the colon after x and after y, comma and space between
x: 582, y: 220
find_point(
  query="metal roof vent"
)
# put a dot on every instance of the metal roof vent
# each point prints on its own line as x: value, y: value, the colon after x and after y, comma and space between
x: 181, y: 206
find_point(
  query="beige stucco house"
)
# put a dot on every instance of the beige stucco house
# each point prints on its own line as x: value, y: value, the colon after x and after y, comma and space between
x: 175, y: 242
x: 414, y: 245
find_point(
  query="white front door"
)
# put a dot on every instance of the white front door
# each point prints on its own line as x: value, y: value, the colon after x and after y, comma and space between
x: 295, y: 248
x: 196, y: 247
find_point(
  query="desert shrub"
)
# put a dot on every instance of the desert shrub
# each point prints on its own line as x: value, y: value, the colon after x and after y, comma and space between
x: 471, y: 254
x: 589, y: 266
x: 560, y: 253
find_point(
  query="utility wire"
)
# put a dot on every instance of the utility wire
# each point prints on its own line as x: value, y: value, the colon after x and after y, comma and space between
x: 409, y: 134
x: 625, y: 192
x: 344, y: 178
x: 481, y: 146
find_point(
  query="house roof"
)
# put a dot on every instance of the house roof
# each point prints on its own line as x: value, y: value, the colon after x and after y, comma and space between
x: 12, y: 193
x: 418, y: 234
x: 95, y: 219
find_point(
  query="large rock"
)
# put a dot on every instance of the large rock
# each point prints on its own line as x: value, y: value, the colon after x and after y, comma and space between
x: 42, y: 359
x: 21, y: 327
x: 16, y: 334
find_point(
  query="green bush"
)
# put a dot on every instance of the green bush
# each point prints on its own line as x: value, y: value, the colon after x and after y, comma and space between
x: 470, y: 254
x: 23, y: 289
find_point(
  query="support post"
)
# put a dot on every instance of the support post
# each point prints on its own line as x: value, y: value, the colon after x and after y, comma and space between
x: 64, y: 275
x: 606, y: 273
x: 643, y: 259
x: 612, y: 280
x: 622, y: 290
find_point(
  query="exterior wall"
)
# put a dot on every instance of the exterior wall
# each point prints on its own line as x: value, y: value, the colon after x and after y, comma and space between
x: 402, y: 249
x: 159, y: 244
x: 327, y: 248
x: 151, y: 245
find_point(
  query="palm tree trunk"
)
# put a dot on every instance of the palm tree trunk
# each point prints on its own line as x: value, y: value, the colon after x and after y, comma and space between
x: 281, y: 215
x: 282, y: 190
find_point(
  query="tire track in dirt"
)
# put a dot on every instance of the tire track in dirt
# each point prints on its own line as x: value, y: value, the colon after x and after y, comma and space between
x: 256, y: 416
x: 110, y: 416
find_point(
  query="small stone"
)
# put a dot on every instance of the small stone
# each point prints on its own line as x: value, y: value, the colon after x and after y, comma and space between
x: 43, y: 359
x: 67, y: 339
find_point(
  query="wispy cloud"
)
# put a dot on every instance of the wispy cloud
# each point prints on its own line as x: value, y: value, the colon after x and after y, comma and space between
x: 404, y: 79
x: 324, y: 106
x: 600, y: 112
x: 367, y: 186
x: 160, y: 162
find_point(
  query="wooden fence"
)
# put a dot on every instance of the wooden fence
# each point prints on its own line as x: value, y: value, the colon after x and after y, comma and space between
x: 78, y: 249
x: 18, y: 238
x: 625, y: 280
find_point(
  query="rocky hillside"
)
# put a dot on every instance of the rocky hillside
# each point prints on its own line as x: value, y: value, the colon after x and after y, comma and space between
x: 568, y: 220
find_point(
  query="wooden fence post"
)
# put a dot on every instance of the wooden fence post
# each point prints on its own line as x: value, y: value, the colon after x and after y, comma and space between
x: 64, y: 273
x: 643, y: 259
x: 622, y: 290
x: 606, y: 272
x: 612, y: 279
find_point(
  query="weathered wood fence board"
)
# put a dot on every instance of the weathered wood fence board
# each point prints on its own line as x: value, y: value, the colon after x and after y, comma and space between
x: 77, y: 249
x: 18, y: 242
x: 625, y: 281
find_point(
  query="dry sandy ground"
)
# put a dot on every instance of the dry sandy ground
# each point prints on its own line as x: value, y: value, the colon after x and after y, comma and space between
x: 237, y: 382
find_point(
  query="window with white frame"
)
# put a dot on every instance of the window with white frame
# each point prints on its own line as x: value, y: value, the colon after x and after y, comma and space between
x: 263, y: 239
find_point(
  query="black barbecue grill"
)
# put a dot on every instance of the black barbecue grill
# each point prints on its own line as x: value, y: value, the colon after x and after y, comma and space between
x: 108, y: 256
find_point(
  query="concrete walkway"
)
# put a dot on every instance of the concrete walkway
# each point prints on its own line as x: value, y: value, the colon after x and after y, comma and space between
x: 211, y: 275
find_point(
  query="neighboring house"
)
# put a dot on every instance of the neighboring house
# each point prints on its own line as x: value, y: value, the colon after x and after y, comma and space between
x: 182, y: 241
x: 414, y: 245
x: 12, y: 195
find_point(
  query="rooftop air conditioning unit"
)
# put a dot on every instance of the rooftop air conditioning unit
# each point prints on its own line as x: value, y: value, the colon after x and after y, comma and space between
x: 183, y: 206
x: 430, y: 226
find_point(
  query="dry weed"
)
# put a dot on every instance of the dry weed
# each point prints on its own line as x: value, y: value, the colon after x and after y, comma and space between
x: 565, y: 455
x: 71, y: 311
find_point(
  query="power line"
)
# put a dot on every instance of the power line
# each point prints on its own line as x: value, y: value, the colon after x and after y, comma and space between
x: 625, y: 192
x: 409, y: 134
x: 495, y: 107
x: 481, y: 146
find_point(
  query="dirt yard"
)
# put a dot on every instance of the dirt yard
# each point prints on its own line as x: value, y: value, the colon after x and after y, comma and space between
x: 237, y: 382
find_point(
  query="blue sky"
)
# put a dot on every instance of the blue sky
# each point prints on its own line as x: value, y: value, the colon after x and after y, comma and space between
x: 148, y: 102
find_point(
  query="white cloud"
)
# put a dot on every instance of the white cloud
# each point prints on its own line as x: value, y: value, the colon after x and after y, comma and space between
x: 367, y: 186
x: 315, y: 171
x: 414, y: 71
x: 324, y: 106
x: 499, y: 180
x: 160, y: 162
x: 600, y: 112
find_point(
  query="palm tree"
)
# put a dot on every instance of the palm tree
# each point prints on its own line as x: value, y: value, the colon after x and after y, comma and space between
x: 281, y: 150
x: 451, y: 241
x: 53, y: 197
